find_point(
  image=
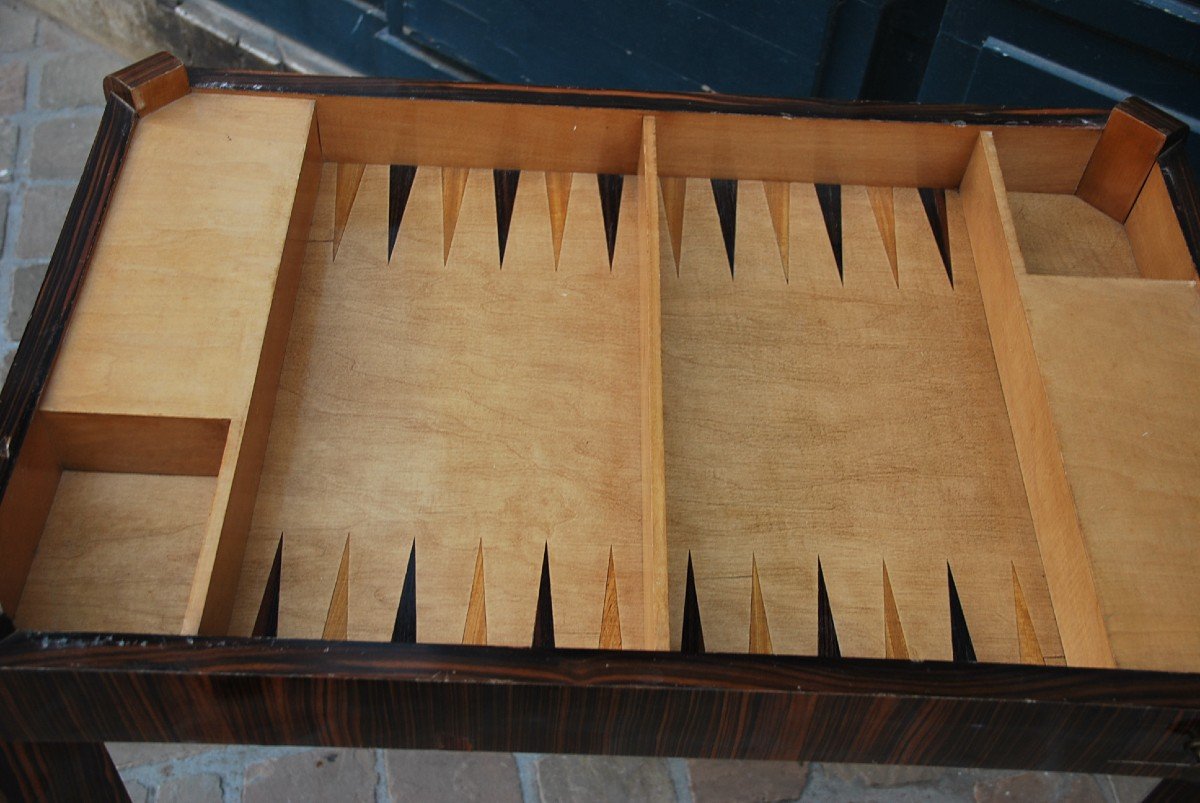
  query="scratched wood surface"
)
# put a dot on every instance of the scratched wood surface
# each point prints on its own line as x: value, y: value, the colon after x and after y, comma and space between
x: 848, y: 413
x: 484, y: 411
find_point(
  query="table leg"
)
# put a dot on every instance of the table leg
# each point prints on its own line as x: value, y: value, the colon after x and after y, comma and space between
x: 59, y: 771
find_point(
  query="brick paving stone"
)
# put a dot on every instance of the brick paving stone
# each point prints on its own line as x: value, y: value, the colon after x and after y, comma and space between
x: 8, y: 150
x: 594, y: 778
x: 746, y: 781
x: 1127, y: 789
x: 1048, y: 786
x: 430, y: 776
x: 51, y: 36
x: 26, y: 283
x: 137, y: 792
x: 884, y: 776
x: 18, y: 25
x: 190, y: 789
x: 313, y: 775
x: 60, y: 146
x: 12, y: 87
x: 74, y: 79
x: 41, y: 220
x: 140, y: 754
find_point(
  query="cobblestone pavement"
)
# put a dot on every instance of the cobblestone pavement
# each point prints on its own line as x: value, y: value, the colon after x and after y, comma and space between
x: 50, y: 103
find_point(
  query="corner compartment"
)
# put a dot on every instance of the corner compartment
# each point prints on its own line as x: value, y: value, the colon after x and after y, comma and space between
x: 126, y: 492
x: 1100, y: 369
x: 125, y: 522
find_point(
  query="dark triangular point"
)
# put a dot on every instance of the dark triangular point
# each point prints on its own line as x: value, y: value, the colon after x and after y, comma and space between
x: 725, y: 194
x: 266, y: 625
x: 960, y: 636
x: 830, y: 198
x: 827, y: 639
x: 692, y: 640
x: 506, y: 197
x: 400, y: 181
x: 610, y: 208
x: 543, y: 620
x: 404, y: 631
x: 934, y: 201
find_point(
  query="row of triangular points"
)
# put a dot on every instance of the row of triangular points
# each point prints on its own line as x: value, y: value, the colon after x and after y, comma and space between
x: 962, y: 648
x: 829, y: 196
x: 404, y: 630
x: 454, y: 186
x: 558, y: 190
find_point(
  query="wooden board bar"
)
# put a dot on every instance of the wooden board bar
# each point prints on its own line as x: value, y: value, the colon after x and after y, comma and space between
x: 1056, y: 521
x: 654, y: 501
x: 749, y: 138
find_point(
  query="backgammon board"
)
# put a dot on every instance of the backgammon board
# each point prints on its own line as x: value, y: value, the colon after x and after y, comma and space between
x: 367, y: 412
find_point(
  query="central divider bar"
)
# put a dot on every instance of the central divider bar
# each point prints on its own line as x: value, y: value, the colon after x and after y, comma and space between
x: 654, y: 483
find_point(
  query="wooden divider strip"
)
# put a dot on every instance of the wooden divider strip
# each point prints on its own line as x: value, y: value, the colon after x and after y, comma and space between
x: 654, y: 481
x: 210, y: 600
x: 1065, y: 559
x: 137, y: 444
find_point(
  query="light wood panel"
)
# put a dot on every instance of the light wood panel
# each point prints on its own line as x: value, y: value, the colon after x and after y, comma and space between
x: 1121, y: 363
x: 458, y: 404
x: 1066, y: 558
x: 1062, y: 235
x: 1155, y: 236
x: 137, y: 444
x: 592, y: 140
x: 117, y: 553
x: 858, y: 423
x: 195, y: 239
x: 187, y: 293
x: 654, y: 505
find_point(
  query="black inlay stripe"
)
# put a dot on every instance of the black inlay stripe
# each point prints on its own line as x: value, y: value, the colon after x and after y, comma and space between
x: 404, y: 631
x: 506, y: 198
x: 725, y: 195
x: 827, y: 638
x: 543, y: 620
x: 960, y: 637
x: 400, y: 182
x: 266, y: 624
x: 692, y: 640
x: 830, y: 198
x: 934, y: 201
x: 610, y: 208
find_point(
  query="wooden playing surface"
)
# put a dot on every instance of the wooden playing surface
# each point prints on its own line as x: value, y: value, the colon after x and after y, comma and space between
x: 440, y: 398
x: 590, y: 410
x: 854, y: 420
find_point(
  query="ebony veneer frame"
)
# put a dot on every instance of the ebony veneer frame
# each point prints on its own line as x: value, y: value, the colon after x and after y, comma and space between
x: 61, y: 695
